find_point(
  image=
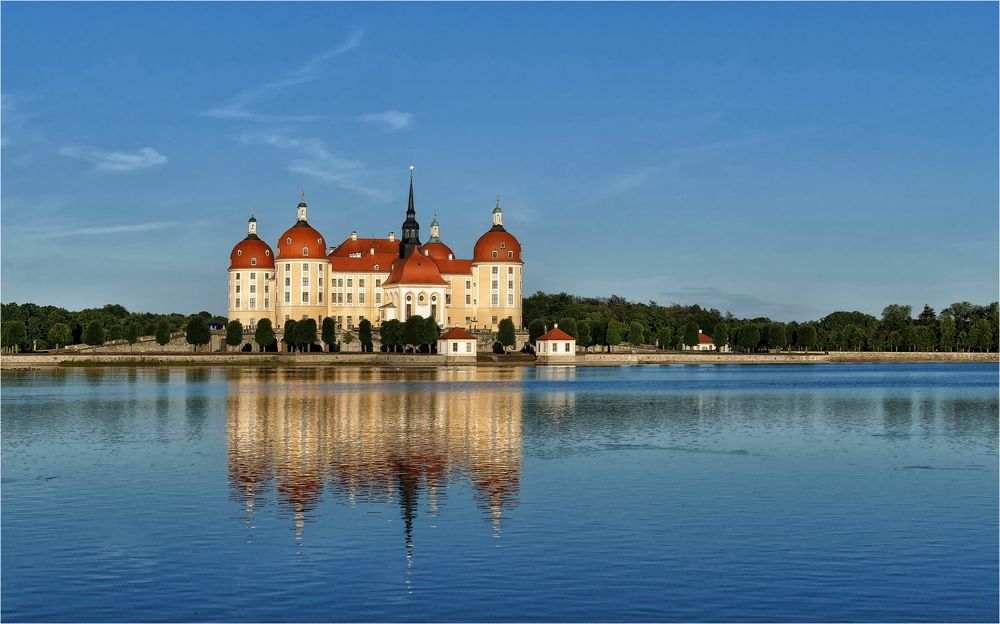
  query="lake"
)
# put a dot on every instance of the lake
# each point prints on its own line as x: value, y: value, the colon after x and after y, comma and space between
x: 780, y: 493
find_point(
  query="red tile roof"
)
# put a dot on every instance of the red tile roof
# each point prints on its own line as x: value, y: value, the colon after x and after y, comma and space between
x: 364, y: 246
x: 705, y: 339
x: 248, y: 249
x: 438, y: 251
x: 364, y: 264
x: 491, y: 242
x: 454, y: 267
x: 300, y: 237
x: 556, y: 334
x: 456, y: 333
x: 416, y: 269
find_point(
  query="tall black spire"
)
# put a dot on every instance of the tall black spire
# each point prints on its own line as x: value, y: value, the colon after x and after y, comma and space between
x: 410, y: 239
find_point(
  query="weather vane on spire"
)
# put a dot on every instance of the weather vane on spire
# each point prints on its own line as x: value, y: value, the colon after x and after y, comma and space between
x: 411, y: 169
x: 302, y: 195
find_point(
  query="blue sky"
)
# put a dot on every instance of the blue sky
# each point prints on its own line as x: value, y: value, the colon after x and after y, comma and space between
x: 778, y: 159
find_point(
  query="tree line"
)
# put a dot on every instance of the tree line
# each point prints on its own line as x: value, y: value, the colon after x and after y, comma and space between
x: 602, y: 322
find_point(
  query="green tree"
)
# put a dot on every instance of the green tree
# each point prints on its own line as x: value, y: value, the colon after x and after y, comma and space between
x: 584, y: 339
x: 569, y: 326
x: 807, y: 336
x: 234, y: 333
x: 197, y: 332
x: 413, y: 331
x: 720, y: 335
x: 599, y: 331
x: 364, y: 334
x: 535, y: 329
x: 14, y: 335
x: 690, y: 335
x: 947, y: 326
x: 927, y: 316
x: 94, y: 334
x: 59, y: 334
x: 347, y: 337
x: 635, y: 334
x: 330, y: 332
x: 616, y: 333
x: 132, y: 332
x: 749, y: 337
x: 391, y: 334
x: 981, y: 334
x: 305, y: 333
x: 665, y: 337
x: 430, y: 333
x: 162, y: 333
x: 776, y: 336
x: 505, y: 333
x: 289, y: 335
x: 894, y: 318
x: 263, y: 334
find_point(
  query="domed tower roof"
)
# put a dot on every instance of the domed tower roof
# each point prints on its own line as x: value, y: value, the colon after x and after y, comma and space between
x: 251, y: 252
x: 301, y: 240
x: 497, y: 245
x: 434, y: 247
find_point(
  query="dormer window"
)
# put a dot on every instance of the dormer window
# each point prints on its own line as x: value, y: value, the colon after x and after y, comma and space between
x: 354, y: 254
x: 253, y: 261
x: 288, y: 240
x: 267, y: 252
x: 503, y: 245
x: 305, y: 251
x: 427, y: 253
x: 451, y: 256
x: 376, y: 267
x: 239, y: 252
x: 495, y: 254
x: 510, y: 254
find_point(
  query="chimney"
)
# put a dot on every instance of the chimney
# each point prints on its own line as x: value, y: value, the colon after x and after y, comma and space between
x: 392, y: 236
x: 699, y: 331
x: 555, y: 325
x: 371, y: 251
x: 354, y: 236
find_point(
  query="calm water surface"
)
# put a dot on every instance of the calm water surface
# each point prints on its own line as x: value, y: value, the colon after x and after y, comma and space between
x: 829, y: 492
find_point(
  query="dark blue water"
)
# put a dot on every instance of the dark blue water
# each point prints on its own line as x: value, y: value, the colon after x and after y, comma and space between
x: 778, y: 493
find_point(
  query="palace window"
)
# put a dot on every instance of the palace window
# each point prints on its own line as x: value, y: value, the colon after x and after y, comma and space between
x: 349, y: 297
x: 376, y: 281
x: 447, y: 299
x: 288, y: 267
x: 305, y: 267
x: 495, y: 270
x: 288, y: 297
x: 237, y: 276
x: 350, y: 323
x: 494, y: 320
x: 567, y: 347
x: 305, y: 297
x: 495, y: 285
x: 253, y: 261
x: 340, y: 297
x: 468, y: 300
x: 361, y: 282
x: 510, y: 299
x: 319, y: 296
x: 495, y: 255
x: 510, y: 255
x: 267, y: 252
x: 361, y: 298
x: 267, y: 303
x: 253, y: 276
x: 420, y: 299
x: 267, y: 288
x: 319, y: 282
x: 350, y: 282
x: 288, y: 281
x: 237, y: 289
x: 468, y: 347
x: 253, y: 288
x: 239, y: 252
x: 454, y: 347
x: 340, y: 282
x: 237, y: 303
x: 253, y: 303
x: 288, y: 240
x: 510, y: 284
x: 305, y: 281
x: 468, y: 284
x: 494, y: 301
x: 378, y: 298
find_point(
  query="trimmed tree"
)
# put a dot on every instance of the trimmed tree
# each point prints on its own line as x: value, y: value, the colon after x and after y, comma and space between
x: 430, y: 333
x: 616, y: 333
x: 364, y: 334
x: 14, y: 335
x: 413, y: 331
x: 505, y: 333
x: 665, y: 337
x: 305, y: 333
x: 197, y: 332
x: 584, y: 339
x: 162, y: 333
x: 132, y: 333
x: 234, y: 333
x: 60, y: 334
x: 347, y: 337
x: 691, y: 335
x: 807, y: 336
x: 721, y: 336
x: 263, y: 334
x: 330, y: 332
x: 391, y: 333
x: 947, y: 334
x: 749, y: 337
x: 569, y: 326
x: 635, y: 333
x: 776, y: 338
x: 94, y: 334
x: 535, y: 329
x: 289, y: 337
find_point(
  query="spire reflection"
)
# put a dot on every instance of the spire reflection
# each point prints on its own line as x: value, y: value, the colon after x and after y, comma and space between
x: 398, y: 438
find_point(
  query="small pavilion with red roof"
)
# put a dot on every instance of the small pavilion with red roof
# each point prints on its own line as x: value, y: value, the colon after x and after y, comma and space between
x: 457, y: 344
x: 555, y: 344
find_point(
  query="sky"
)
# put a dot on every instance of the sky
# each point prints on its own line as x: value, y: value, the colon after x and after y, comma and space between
x: 776, y: 159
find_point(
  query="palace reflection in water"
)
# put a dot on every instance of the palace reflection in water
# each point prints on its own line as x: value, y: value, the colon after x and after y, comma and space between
x: 356, y: 436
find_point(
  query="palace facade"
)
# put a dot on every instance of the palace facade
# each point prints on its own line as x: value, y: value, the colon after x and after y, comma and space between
x: 376, y: 278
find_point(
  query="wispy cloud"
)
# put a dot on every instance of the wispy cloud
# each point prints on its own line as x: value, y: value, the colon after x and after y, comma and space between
x: 237, y: 107
x: 110, y: 229
x: 315, y: 160
x: 628, y: 180
x: 390, y: 120
x: 117, y: 162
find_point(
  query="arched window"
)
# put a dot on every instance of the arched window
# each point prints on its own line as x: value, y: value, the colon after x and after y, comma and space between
x: 253, y: 261
x: 510, y: 253
x: 434, y: 298
x: 288, y: 240
x: 495, y: 254
x: 239, y: 252
x: 267, y: 252
x: 305, y: 251
x: 408, y: 297
x: 420, y: 299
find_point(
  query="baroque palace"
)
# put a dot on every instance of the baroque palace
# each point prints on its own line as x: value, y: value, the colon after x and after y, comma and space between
x: 376, y: 278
